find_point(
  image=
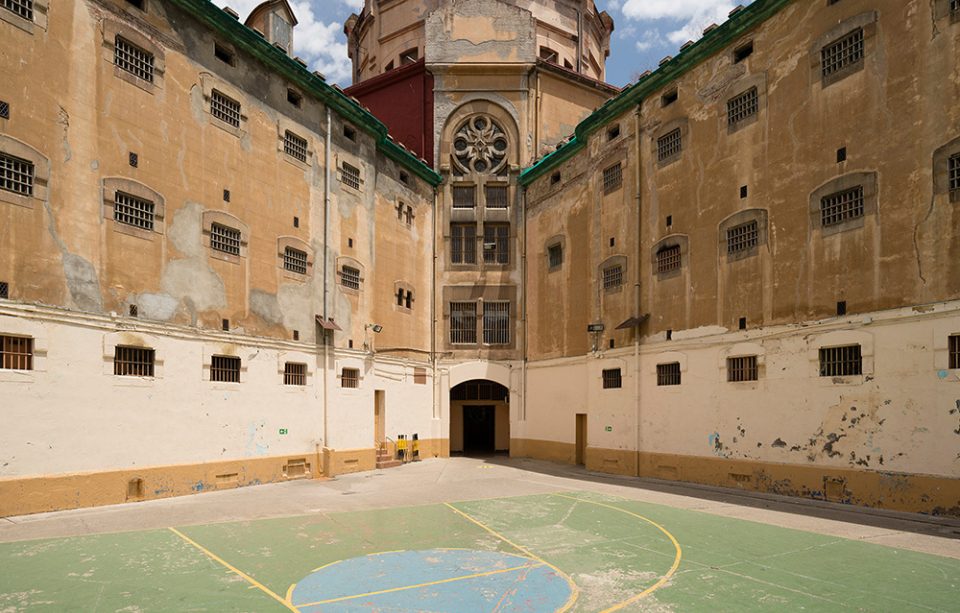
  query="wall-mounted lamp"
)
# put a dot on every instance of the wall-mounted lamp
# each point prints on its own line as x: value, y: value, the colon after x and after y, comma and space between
x: 375, y: 327
x: 595, y: 328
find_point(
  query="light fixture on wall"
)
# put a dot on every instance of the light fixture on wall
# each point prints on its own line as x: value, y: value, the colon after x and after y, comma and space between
x: 375, y: 327
x: 376, y: 330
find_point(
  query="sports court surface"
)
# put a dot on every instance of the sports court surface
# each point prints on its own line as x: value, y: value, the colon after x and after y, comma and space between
x: 525, y: 541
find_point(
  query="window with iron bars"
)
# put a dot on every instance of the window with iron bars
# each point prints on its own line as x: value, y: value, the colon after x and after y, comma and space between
x: 612, y: 178
x: 350, y: 377
x: 16, y: 175
x: 463, y: 323
x: 463, y: 244
x: 668, y: 374
x: 350, y: 277
x: 668, y: 144
x: 294, y: 374
x: 496, y: 197
x: 668, y: 258
x: 612, y: 379
x: 743, y: 106
x: 225, y: 109
x: 496, y: 323
x: 612, y: 277
x: 463, y: 196
x: 742, y: 368
x: 842, y: 53
x: 133, y: 59
x: 294, y: 146
x: 554, y: 256
x: 295, y: 260
x: 955, y: 6
x: 133, y: 361
x: 16, y: 352
x: 953, y: 171
x: 743, y: 237
x: 841, y: 206
x: 22, y: 8
x: 954, y: 349
x: 350, y: 176
x: 841, y: 361
x: 133, y: 211
x: 225, y: 239
x: 496, y: 243
x: 225, y: 368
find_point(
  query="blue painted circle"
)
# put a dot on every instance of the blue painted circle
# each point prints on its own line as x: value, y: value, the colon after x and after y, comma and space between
x: 435, y: 580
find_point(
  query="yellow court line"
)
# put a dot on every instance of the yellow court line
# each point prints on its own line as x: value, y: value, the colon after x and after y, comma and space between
x: 242, y: 574
x: 289, y: 597
x: 664, y: 579
x: 325, y: 565
x: 410, y: 587
x: 574, y: 592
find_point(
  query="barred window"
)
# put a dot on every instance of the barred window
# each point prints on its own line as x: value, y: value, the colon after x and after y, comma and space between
x: 554, y: 255
x: 841, y: 361
x: 668, y: 258
x: 225, y: 109
x: 294, y: 374
x: 612, y: 378
x: 463, y: 196
x: 496, y: 243
x: 496, y: 196
x: 350, y: 277
x: 133, y: 361
x: 612, y: 277
x: 225, y: 239
x: 742, y: 368
x: 742, y: 237
x: 350, y: 377
x: 955, y: 349
x: 953, y: 168
x: 295, y: 260
x: 496, y: 323
x: 841, y: 206
x: 16, y: 352
x: 612, y: 178
x: 23, y: 8
x: 463, y: 244
x: 955, y: 6
x: 463, y: 322
x: 742, y: 106
x: 668, y: 374
x: 225, y: 368
x: 294, y: 146
x: 350, y: 176
x: 133, y: 59
x: 133, y: 211
x: 842, y: 53
x: 16, y: 175
x: 668, y: 144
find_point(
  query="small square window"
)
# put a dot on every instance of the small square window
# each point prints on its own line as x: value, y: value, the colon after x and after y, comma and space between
x: 463, y: 323
x: 296, y: 222
x: 463, y: 196
x: 225, y: 368
x: 134, y: 310
x: 742, y: 369
x: 133, y: 211
x: 612, y: 178
x: 669, y: 98
x: 613, y: 132
x: 4, y: 290
x: 296, y: 335
x: 225, y: 325
x: 668, y: 145
x: 742, y: 52
x: 496, y: 197
x: 224, y: 239
x: 137, y: 3
x: 954, y: 349
x: 131, y: 58
x: 554, y: 178
x: 669, y: 220
x: 841, y: 155
x: 668, y: 374
x: 350, y: 277
x: 743, y: 191
x: 294, y: 98
x: 842, y: 53
x: 350, y: 377
x: 350, y: 176
x: 16, y: 175
x: 404, y: 178
x: 133, y: 362
x: 743, y: 237
x: 409, y: 57
x: 295, y: 147
x: 350, y: 133
x: 841, y: 308
x: 743, y: 106
x: 953, y: 172
x: 4, y: 110
x: 554, y: 256
x: 16, y: 353
x: 295, y: 260
x: 22, y: 8
x: 612, y: 277
x: 668, y: 258
x: 841, y: 206
x: 549, y: 55
x: 743, y: 323
x: 669, y: 335
x: 294, y: 374
x: 134, y: 159
x: 225, y: 109
x: 226, y: 195
x: 612, y: 379
x: 223, y: 54
x: 841, y: 361
x: 613, y: 241
x: 350, y: 243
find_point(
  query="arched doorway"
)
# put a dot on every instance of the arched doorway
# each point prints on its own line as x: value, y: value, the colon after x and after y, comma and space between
x: 479, y: 418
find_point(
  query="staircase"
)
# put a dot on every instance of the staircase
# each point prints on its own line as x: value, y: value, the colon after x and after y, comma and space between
x: 385, y: 458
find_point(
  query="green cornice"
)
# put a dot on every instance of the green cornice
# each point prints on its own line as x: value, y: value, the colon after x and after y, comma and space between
x: 276, y: 60
x: 632, y: 95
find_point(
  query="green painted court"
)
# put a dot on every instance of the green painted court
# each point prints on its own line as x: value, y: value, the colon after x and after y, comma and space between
x: 571, y: 550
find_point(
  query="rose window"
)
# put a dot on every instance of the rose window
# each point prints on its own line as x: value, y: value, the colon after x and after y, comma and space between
x: 480, y: 146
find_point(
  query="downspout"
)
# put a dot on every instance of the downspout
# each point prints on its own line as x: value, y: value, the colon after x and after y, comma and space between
x: 521, y: 206
x: 636, y: 329
x: 326, y: 277
x: 433, y: 313
x: 579, y: 41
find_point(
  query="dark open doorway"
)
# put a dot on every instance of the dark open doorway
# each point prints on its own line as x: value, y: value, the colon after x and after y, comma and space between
x: 479, y: 418
x: 479, y: 430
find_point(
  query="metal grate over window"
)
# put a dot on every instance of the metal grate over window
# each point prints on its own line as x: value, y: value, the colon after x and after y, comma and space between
x: 225, y: 109
x: 554, y: 255
x: 350, y: 176
x: 225, y: 239
x: 16, y: 352
x: 16, y: 175
x: 668, y: 144
x: 496, y: 323
x: 842, y: 53
x: 23, y: 8
x: 4, y: 289
x: 463, y: 244
x: 133, y: 211
x: 463, y: 322
x: 841, y: 206
x: 133, y: 362
x: 841, y: 361
x: 294, y: 374
x: 350, y: 277
x: 668, y: 259
x: 955, y: 6
x: 612, y: 277
x: 496, y: 196
x: 295, y: 260
x: 225, y: 368
x: 496, y: 243
x: 743, y: 237
x: 612, y: 178
x: 742, y: 106
x: 350, y: 377
x: 612, y: 379
x: 133, y: 59
x: 463, y: 196
x: 294, y: 146
x: 953, y: 168
x: 743, y: 368
x: 668, y: 374
x: 954, y: 351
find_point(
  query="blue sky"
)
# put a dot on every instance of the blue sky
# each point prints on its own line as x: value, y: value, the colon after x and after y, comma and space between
x: 645, y: 31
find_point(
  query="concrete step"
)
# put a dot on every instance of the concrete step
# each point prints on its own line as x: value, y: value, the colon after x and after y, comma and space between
x: 388, y: 463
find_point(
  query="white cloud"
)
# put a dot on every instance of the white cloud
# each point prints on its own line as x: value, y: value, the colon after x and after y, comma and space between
x: 670, y: 9
x: 649, y: 40
x: 626, y: 33
x: 693, y: 28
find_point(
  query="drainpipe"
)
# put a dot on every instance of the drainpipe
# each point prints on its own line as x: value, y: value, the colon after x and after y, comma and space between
x: 521, y: 205
x: 433, y: 309
x: 636, y: 329
x: 579, y: 41
x: 326, y: 276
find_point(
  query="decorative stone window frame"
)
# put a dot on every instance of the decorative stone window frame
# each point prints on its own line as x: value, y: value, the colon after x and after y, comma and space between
x: 297, y: 357
x: 405, y: 213
x: 41, y: 8
x: 300, y: 245
x: 742, y: 86
x: 408, y: 289
x: 674, y: 240
x: 667, y: 357
x: 112, y: 185
x: 132, y: 339
x: 842, y: 338
x: 941, y: 10
x: 352, y: 263
x: 610, y: 262
x: 342, y: 157
x: 868, y: 180
x: 559, y: 240
x: 684, y: 126
x: 941, y: 179
x: 25, y: 328
x: 110, y: 30
x: 742, y: 350
x: 738, y: 219
x: 285, y: 125
x: 867, y: 21
x: 208, y: 83
x: 232, y: 351
x: 222, y: 218
x: 355, y: 364
x: 41, y: 172
x: 608, y: 366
